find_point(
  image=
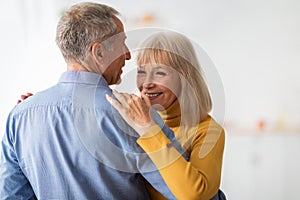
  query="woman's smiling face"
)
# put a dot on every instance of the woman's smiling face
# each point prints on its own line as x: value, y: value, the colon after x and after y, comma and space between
x: 160, y: 83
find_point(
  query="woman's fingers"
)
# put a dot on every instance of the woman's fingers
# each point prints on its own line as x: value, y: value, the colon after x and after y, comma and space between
x: 131, y: 105
x: 115, y: 103
x: 133, y: 109
x: 141, y: 102
x: 123, y: 98
x: 135, y: 105
x: 146, y: 99
x: 121, y: 102
x: 24, y: 96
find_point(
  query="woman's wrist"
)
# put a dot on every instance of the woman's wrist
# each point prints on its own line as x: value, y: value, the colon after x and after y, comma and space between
x: 141, y: 130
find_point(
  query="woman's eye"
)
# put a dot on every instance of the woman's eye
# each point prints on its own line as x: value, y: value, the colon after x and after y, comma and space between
x: 161, y: 73
x: 141, y: 72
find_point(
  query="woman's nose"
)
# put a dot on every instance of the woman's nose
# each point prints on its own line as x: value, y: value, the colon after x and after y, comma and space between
x: 148, y: 83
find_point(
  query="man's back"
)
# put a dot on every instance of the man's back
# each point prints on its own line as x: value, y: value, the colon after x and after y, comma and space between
x: 52, y: 137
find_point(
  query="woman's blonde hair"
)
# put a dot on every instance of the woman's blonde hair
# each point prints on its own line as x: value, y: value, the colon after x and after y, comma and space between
x: 175, y: 50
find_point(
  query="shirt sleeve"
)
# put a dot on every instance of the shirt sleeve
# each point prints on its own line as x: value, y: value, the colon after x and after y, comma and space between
x: 131, y: 157
x: 198, y: 178
x: 149, y: 171
x: 13, y: 183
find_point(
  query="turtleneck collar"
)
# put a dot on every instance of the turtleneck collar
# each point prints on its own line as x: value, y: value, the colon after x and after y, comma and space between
x: 172, y: 115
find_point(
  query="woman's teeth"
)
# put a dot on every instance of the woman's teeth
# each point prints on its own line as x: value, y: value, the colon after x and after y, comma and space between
x: 152, y: 95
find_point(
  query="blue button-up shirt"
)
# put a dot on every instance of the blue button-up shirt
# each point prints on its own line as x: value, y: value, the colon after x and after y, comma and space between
x: 67, y: 142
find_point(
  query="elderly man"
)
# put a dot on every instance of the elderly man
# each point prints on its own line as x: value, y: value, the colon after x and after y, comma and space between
x: 67, y: 142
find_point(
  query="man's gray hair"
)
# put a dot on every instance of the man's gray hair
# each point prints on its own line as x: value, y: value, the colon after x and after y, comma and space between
x: 81, y: 26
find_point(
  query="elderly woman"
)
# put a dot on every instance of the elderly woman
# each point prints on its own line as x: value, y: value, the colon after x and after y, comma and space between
x: 170, y: 80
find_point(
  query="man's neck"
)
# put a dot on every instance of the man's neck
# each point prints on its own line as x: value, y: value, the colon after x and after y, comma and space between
x: 76, y: 67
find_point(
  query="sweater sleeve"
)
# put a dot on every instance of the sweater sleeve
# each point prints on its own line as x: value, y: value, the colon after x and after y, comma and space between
x: 198, y: 178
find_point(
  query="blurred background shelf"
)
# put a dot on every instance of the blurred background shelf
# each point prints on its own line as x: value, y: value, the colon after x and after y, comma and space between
x: 262, y: 166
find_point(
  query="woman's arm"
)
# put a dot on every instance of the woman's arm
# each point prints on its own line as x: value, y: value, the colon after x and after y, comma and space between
x: 198, y: 178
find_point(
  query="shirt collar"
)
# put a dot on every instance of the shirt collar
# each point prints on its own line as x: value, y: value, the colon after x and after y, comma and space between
x: 82, y: 77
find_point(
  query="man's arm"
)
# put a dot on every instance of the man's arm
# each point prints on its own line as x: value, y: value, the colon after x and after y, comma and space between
x: 13, y: 183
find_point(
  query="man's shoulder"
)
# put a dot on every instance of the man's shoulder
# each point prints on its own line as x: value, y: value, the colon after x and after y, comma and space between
x: 52, y: 96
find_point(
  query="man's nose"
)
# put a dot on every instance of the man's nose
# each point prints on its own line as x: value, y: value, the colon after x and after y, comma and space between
x: 127, y: 53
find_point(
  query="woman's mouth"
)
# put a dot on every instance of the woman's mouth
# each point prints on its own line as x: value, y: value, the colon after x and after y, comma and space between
x: 153, y: 96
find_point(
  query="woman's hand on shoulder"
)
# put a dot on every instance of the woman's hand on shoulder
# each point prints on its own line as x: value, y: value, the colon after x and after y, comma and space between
x: 135, y: 110
x: 24, y: 96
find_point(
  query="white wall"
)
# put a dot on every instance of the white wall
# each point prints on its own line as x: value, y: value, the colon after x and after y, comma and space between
x: 255, y: 46
x: 261, y: 166
x: 30, y: 60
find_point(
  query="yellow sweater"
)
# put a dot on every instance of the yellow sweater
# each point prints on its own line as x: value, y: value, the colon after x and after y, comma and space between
x: 198, y: 178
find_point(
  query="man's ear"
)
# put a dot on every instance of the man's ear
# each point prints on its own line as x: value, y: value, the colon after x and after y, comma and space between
x: 97, y: 52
